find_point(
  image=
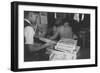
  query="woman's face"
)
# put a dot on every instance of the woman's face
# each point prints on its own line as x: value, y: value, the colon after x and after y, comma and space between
x: 33, y: 18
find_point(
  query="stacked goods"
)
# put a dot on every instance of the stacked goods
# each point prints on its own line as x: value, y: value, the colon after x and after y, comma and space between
x: 66, y: 49
x: 66, y: 45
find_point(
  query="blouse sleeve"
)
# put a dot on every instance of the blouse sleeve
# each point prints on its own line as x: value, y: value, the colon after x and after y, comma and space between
x: 29, y: 35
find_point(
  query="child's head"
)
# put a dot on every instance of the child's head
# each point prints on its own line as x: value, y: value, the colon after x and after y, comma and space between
x: 66, y: 23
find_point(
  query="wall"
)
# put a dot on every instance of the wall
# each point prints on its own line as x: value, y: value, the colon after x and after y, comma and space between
x: 5, y: 17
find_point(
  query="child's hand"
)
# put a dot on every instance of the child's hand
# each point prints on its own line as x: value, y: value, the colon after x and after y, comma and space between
x: 75, y: 37
x: 50, y: 43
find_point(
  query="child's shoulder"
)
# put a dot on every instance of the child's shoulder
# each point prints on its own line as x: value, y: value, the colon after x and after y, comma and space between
x: 60, y: 27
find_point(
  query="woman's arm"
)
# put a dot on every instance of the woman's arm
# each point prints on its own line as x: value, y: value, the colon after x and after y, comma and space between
x: 37, y: 47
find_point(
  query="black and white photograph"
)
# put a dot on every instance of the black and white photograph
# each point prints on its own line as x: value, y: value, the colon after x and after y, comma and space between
x: 53, y: 36
x: 56, y: 36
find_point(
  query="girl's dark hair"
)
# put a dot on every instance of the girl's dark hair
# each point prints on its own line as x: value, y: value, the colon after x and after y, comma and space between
x: 68, y: 21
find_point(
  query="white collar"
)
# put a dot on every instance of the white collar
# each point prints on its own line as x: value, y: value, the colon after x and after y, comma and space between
x: 27, y: 21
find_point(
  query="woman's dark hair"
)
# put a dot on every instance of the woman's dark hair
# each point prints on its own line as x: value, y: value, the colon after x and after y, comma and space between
x: 26, y: 13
